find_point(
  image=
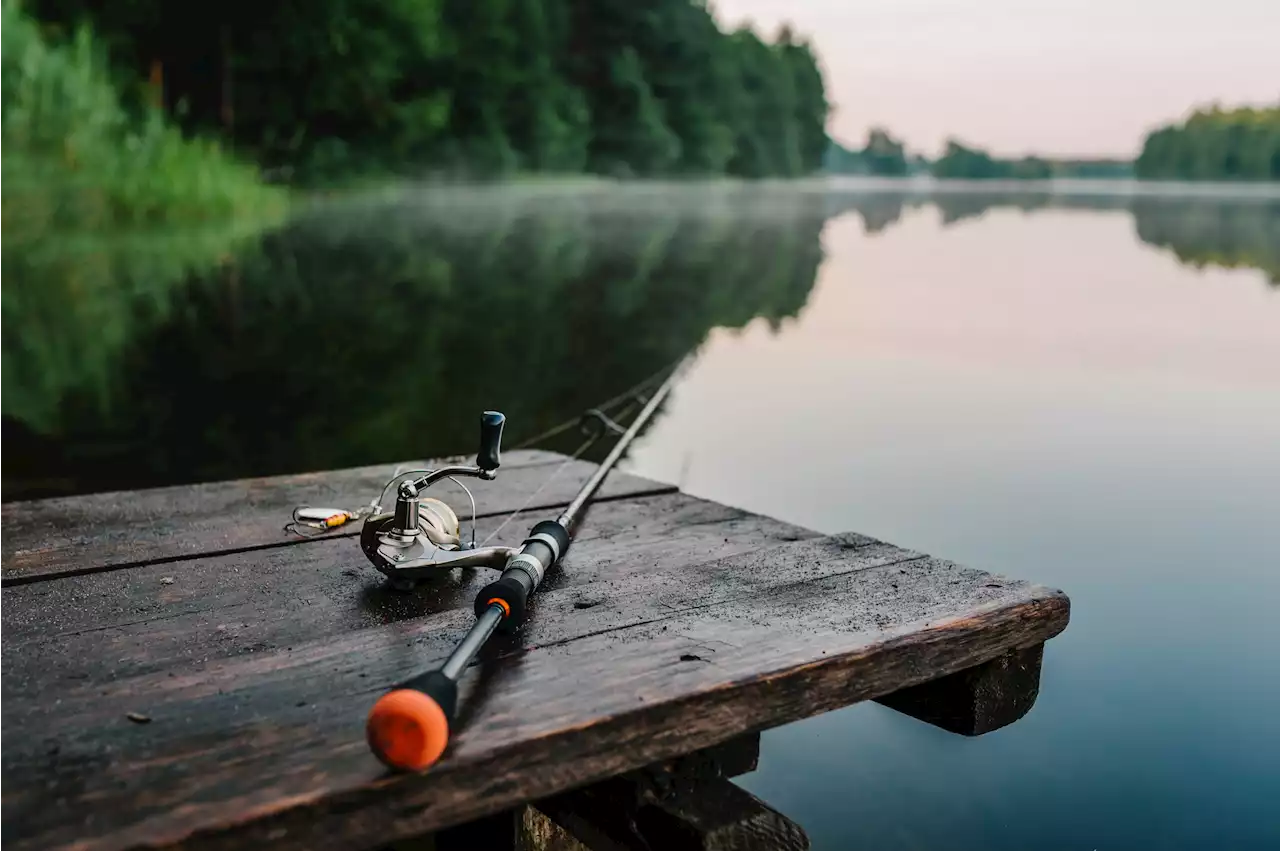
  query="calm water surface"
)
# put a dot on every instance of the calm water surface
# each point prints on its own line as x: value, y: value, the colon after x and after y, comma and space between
x: 1082, y: 390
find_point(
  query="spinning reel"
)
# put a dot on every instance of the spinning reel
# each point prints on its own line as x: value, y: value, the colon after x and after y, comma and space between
x: 422, y: 536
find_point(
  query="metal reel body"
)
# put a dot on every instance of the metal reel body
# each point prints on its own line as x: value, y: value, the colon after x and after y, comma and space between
x: 433, y: 549
x: 383, y: 544
x: 422, y: 537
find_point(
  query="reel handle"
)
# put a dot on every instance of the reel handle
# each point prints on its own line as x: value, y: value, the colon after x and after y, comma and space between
x: 491, y: 423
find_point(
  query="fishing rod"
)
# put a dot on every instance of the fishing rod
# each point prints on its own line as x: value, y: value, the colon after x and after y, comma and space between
x: 408, y: 727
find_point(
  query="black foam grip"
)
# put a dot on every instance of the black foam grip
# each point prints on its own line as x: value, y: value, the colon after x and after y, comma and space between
x: 491, y: 423
x: 510, y: 590
x: 555, y: 530
x: 439, y: 688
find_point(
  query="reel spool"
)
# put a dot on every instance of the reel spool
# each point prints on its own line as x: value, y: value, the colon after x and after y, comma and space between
x: 423, y: 537
x: 438, y: 528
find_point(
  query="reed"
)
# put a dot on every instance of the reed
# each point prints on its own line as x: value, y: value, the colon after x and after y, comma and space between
x: 75, y: 157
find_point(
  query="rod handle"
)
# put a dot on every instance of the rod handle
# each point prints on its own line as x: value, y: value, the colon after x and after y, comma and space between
x: 491, y: 423
x: 547, y: 543
x: 511, y: 594
x: 408, y: 727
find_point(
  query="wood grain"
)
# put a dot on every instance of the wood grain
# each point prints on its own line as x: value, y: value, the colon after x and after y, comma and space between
x: 623, y: 795
x: 716, y: 815
x: 540, y: 833
x: 674, y: 656
x: 977, y: 700
x: 106, y: 531
x: 683, y: 803
x: 178, y: 617
x: 712, y: 814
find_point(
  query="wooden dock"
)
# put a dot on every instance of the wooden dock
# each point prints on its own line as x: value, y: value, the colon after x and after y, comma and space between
x: 179, y: 671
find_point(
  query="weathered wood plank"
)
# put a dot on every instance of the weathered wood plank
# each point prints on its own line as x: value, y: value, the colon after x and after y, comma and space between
x: 716, y: 815
x: 174, y: 616
x: 539, y: 833
x: 534, y: 831
x: 709, y: 815
x: 976, y: 700
x: 96, y: 532
x: 269, y: 747
x: 682, y: 803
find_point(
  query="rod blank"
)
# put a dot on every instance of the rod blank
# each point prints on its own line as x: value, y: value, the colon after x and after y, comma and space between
x: 408, y: 728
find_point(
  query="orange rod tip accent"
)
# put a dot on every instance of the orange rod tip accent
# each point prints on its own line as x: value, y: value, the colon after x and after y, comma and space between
x: 407, y: 730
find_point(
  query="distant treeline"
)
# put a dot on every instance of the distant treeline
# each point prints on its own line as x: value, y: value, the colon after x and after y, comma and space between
x: 1215, y: 144
x: 1223, y: 232
x: 1212, y: 144
x: 961, y: 161
x: 883, y: 155
x: 328, y: 89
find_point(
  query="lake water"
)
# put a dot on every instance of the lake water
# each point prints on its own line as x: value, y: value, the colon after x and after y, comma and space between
x: 1080, y: 387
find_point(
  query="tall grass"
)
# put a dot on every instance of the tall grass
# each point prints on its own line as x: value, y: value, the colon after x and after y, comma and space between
x: 74, y: 157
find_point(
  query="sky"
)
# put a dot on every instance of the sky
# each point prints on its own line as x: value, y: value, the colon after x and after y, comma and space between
x: 1086, y: 77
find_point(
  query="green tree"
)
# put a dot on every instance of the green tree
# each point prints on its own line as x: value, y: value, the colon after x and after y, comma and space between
x: 677, y: 44
x: 1215, y: 144
x: 964, y: 163
x: 810, y: 107
x: 765, y: 143
x: 884, y: 154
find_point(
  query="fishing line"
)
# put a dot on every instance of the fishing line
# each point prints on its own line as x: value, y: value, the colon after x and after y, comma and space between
x: 586, y: 444
x: 629, y: 393
x: 577, y: 453
x: 323, y: 520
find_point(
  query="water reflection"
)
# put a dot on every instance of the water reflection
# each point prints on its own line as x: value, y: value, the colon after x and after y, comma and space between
x: 368, y: 331
x: 1223, y: 232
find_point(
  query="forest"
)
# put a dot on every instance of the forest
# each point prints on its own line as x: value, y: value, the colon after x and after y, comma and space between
x: 1215, y: 144
x: 327, y: 91
x: 885, y: 156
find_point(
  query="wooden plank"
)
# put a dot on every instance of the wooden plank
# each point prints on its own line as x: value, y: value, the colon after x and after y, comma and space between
x: 86, y: 534
x: 682, y: 803
x: 534, y: 831
x: 708, y: 815
x: 269, y: 747
x: 716, y: 815
x: 976, y: 700
x: 540, y: 833
x: 175, y: 617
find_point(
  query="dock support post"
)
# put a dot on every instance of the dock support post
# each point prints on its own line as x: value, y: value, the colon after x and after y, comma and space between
x: 679, y: 805
x: 976, y: 700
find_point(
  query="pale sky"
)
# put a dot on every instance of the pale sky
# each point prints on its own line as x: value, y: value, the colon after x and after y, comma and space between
x: 1022, y: 76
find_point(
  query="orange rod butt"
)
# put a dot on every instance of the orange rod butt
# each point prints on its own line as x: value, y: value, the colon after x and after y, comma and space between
x: 407, y: 730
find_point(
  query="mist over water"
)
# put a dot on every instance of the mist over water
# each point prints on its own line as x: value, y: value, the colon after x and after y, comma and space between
x: 1078, y: 385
